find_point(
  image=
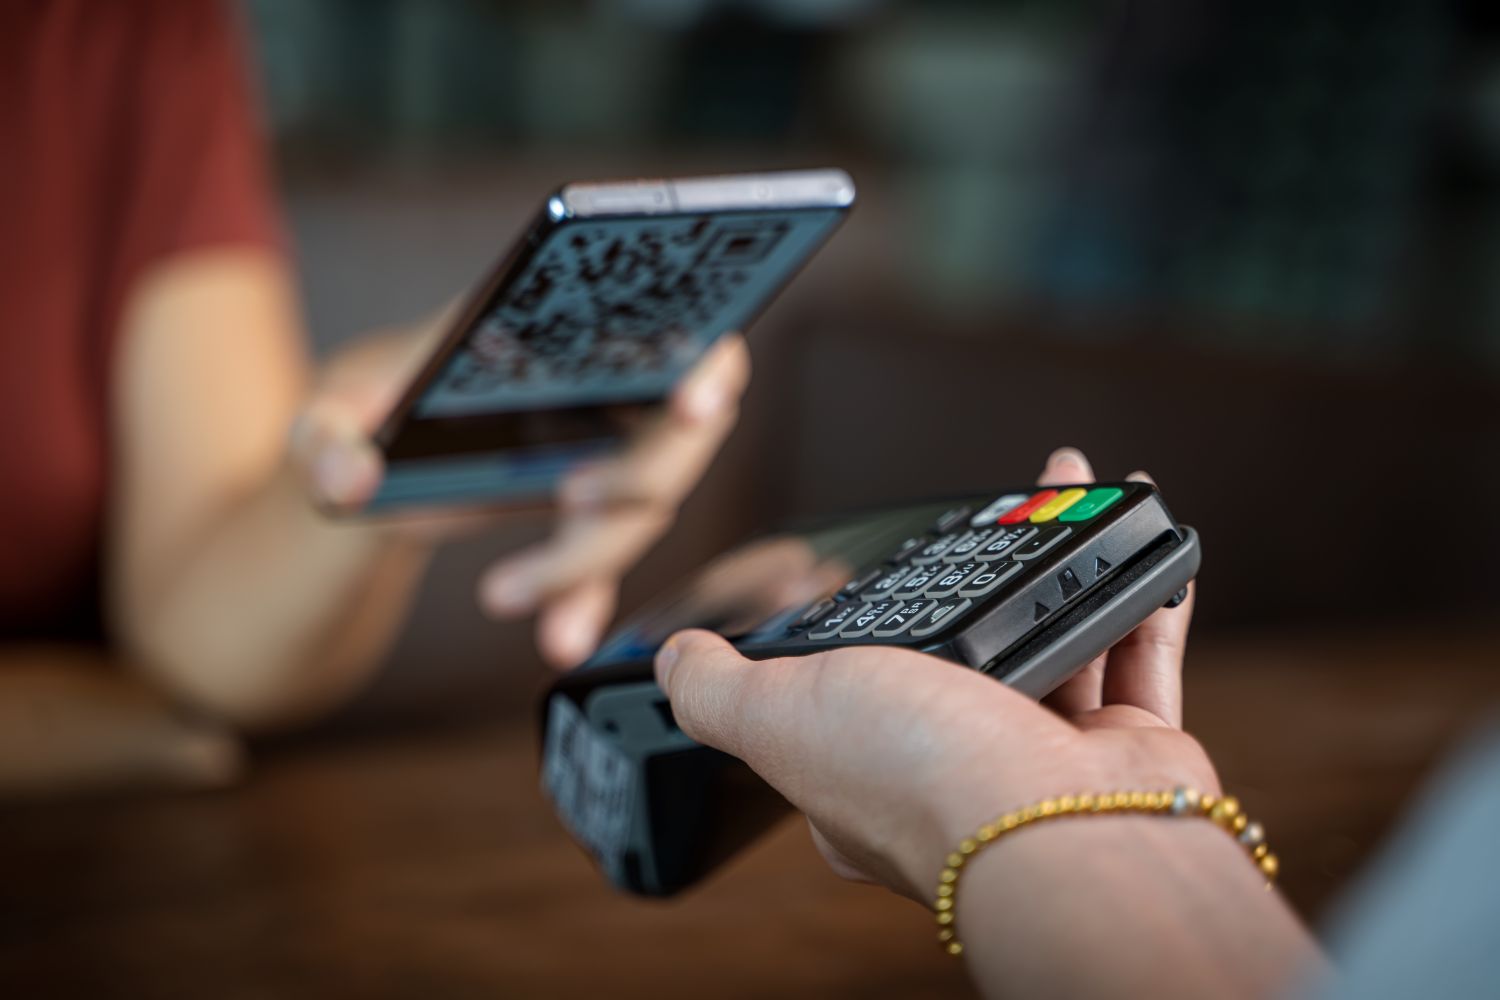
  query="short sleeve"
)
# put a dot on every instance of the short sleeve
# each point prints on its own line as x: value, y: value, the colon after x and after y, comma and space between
x: 205, y: 176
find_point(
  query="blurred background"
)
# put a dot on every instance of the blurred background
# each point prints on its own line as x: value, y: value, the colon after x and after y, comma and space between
x: 1251, y: 247
x: 1254, y: 249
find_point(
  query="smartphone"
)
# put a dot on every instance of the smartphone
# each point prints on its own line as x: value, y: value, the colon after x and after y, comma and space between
x: 589, y: 321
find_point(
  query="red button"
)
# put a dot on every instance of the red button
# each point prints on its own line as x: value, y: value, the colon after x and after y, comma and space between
x: 1021, y: 513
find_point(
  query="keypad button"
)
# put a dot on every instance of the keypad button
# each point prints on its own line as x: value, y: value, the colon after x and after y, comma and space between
x: 883, y: 586
x: 1003, y: 543
x: 997, y: 509
x: 902, y: 618
x: 964, y: 548
x: 947, y: 585
x: 919, y: 581
x: 935, y: 549
x: 858, y: 584
x: 1023, y: 511
x: 951, y: 519
x: 941, y: 617
x: 815, y: 613
x: 864, y: 623
x: 988, y: 580
x: 909, y: 546
x: 1094, y: 503
x: 1045, y: 539
x: 1049, y: 510
x: 829, y: 626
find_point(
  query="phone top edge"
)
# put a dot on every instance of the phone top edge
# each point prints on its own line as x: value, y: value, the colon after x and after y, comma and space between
x: 789, y: 189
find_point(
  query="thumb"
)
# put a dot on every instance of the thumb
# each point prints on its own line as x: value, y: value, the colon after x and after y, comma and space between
x: 705, y: 678
x: 339, y: 464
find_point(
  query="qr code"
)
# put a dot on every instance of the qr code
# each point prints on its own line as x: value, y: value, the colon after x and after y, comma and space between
x: 615, y: 298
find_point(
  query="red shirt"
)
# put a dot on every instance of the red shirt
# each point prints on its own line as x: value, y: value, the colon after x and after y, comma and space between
x: 126, y: 136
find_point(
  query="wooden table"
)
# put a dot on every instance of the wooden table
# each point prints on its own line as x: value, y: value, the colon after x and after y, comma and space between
x: 426, y: 865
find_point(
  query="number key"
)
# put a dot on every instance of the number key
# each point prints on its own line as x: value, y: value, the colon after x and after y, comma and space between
x: 992, y: 576
x: 864, y: 622
x: 947, y: 585
x: 901, y: 619
x: 920, y: 580
x: 1002, y: 543
x: 829, y: 626
x: 882, y: 587
x: 963, y: 549
x: 935, y: 549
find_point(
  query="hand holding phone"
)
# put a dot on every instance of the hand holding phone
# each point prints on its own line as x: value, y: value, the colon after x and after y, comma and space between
x: 595, y: 370
x: 607, y: 512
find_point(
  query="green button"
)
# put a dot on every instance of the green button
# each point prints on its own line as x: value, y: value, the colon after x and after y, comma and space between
x: 1094, y: 503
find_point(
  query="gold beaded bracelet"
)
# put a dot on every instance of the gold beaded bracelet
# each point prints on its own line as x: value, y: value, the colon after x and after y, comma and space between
x: 1222, y: 811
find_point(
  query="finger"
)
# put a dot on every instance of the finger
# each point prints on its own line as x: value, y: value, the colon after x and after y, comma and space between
x: 758, y: 711
x: 1083, y: 692
x: 336, y: 461
x: 597, y: 547
x: 716, y: 382
x: 669, y: 455
x: 662, y: 464
x: 705, y: 679
x: 369, y: 375
x: 1066, y: 465
x: 572, y: 623
x: 1145, y: 668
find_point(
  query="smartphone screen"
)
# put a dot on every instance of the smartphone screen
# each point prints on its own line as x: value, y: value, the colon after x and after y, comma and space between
x: 593, y: 321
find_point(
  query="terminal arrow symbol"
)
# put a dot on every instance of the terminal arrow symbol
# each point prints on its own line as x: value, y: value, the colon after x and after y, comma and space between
x: 1042, y: 611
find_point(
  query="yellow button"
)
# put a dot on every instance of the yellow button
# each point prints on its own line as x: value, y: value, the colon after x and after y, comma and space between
x: 1057, y: 505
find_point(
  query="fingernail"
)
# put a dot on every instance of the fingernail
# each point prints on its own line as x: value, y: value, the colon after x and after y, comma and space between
x: 574, y: 641
x: 336, y: 473
x: 706, y: 402
x: 666, y: 659
x: 1064, y: 456
x: 585, y: 490
x: 510, y: 595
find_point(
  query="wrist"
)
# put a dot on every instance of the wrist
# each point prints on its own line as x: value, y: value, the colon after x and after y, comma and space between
x: 974, y: 794
x: 1152, y: 904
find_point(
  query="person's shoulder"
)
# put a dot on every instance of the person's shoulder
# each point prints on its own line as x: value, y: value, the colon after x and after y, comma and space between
x: 134, y: 30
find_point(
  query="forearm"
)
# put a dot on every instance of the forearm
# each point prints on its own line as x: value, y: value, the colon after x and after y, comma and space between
x: 1127, y: 906
x: 272, y: 611
x: 72, y: 720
